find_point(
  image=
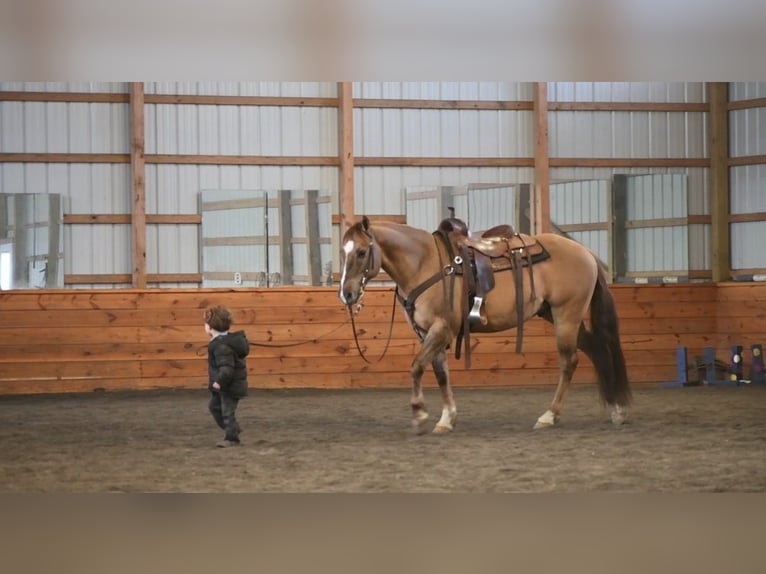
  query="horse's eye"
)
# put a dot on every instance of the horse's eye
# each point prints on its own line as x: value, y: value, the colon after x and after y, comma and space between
x: 361, y: 252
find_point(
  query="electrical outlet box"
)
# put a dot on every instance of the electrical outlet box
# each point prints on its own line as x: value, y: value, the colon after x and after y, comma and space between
x: 237, y: 278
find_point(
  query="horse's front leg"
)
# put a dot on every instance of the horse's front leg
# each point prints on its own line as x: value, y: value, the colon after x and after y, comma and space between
x: 434, y: 344
x: 449, y: 409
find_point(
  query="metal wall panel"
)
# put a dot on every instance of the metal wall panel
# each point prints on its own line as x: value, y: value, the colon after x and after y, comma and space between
x: 57, y: 127
x: 576, y: 202
x: 382, y: 189
x: 747, y: 136
x: 747, y: 245
x: 86, y: 87
x: 488, y: 207
x: 661, y: 249
x: 443, y: 133
x: 262, y: 130
x: 240, y: 130
x: 685, y: 92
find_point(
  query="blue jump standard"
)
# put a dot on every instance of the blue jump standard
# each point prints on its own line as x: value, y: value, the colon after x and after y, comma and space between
x: 682, y: 379
x: 735, y: 377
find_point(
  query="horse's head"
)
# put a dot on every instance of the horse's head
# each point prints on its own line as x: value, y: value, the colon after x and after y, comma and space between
x: 361, y: 261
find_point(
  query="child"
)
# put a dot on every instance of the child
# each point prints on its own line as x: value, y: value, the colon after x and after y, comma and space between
x: 227, y: 370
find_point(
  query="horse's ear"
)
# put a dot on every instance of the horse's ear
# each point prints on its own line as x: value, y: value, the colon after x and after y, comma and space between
x: 365, y: 223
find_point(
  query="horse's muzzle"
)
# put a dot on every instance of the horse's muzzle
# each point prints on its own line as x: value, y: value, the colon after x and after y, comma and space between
x: 349, y: 297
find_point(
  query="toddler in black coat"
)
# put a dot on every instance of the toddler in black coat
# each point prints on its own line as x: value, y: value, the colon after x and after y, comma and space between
x: 227, y: 371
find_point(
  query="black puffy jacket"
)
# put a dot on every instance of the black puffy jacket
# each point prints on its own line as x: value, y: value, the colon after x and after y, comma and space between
x: 226, y: 363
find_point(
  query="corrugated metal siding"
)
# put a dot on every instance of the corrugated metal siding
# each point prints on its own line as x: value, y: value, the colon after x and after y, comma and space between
x: 437, y: 133
x: 747, y: 136
x: 578, y: 202
x: 87, y: 87
x: 64, y: 127
x: 627, y: 92
x: 254, y: 130
x: 488, y: 207
x: 662, y: 249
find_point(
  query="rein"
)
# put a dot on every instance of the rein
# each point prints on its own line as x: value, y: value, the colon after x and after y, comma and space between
x: 202, y: 349
x: 390, y: 330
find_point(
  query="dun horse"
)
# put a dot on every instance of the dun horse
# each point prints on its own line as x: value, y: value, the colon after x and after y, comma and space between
x: 429, y: 272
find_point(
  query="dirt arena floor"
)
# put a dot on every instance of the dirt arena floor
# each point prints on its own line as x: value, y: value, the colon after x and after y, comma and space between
x: 705, y: 439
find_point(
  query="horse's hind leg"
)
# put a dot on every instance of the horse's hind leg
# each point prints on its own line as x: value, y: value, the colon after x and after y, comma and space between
x: 566, y: 342
x: 449, y: 410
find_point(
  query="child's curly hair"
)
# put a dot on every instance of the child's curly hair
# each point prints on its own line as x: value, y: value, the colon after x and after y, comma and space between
x: 219, y: 318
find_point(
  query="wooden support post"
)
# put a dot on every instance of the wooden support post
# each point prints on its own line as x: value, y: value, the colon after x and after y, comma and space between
x: 719, y: 179
x: 138, y: 178
x: 346, y: 155
x: 541, y: 219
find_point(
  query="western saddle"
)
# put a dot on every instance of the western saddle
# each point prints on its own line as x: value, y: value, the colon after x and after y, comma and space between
x: 498, y: 249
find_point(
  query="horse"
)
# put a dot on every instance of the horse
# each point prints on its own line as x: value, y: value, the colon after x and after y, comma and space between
x: 431, y: 287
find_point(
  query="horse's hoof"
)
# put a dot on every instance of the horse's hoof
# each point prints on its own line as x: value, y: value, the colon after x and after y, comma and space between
x: 618, y: 416
x: 419, y: 423
x: 547, y: 420
x: 442, y: 429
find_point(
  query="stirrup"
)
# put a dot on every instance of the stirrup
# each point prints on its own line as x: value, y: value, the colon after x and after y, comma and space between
x: 474, y: 317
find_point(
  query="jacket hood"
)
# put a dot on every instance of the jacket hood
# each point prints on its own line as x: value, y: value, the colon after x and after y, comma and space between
x: 238, y: 342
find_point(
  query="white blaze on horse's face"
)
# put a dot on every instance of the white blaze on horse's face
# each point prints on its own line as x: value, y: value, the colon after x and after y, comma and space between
x: 351, y: 281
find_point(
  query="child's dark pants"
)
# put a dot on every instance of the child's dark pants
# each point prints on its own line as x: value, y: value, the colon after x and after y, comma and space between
x: 223, y: 407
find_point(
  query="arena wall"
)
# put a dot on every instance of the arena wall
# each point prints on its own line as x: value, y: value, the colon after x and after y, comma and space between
x: 60, y: 341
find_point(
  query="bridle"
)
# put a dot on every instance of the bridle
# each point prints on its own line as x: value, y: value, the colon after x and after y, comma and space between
x: 366, y: 276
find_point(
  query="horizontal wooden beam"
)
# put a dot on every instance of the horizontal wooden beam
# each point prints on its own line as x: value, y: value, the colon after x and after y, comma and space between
x: 629, y: 162
x: 234, y: 241
x: 444, y: 161
x: 574, y: 227
x: 70, y: 97
x: 648, y: 223
x: 747, y: 160
x: 275, y: 101
x: 442, y: 104
x: 119, y: 278
x: 96, y: 219
x: 747, y: 217
x: 747, y: 104
x: 64, y: 158
x: 336, y: 219
x: 330, y: 161
x: 125, y: 218
x: 627, y: 107
x: 171, y: 219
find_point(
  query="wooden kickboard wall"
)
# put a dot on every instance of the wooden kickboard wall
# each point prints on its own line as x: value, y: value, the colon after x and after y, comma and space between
x: 57, y: 341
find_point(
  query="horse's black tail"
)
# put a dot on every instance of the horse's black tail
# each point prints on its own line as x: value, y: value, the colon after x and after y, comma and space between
x: 602, y: 345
